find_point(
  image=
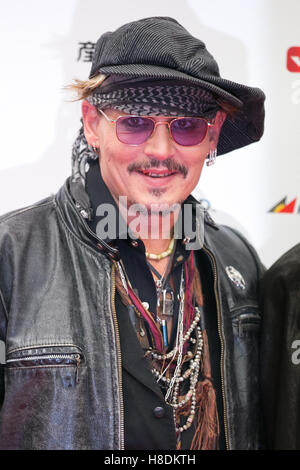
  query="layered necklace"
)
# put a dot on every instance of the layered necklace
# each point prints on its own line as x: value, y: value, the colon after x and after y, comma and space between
x: 177, y: 369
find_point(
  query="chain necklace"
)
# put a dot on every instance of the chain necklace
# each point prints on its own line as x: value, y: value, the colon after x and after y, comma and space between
x: 191, y: 373
x: 175, y: 357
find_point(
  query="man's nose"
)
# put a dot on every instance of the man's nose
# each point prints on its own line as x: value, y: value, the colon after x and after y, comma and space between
x: 160, y: 144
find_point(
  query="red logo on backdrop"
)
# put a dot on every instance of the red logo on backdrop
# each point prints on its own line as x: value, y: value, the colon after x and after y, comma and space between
x: 293, y: 59
x: 285, y: 207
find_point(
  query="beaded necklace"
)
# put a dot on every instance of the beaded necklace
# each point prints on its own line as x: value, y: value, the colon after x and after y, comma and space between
x: 162, y: 255
x: 188, y: 349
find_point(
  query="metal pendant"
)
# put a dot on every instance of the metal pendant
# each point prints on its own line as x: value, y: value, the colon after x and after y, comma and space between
x: 235, y: 277
x: 141, y: 330
x: 167, y: 301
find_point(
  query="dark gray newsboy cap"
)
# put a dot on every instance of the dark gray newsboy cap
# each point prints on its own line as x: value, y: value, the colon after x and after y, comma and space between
x: 160, y: 48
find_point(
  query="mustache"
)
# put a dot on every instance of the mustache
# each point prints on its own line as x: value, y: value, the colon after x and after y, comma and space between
x: 168, y: 163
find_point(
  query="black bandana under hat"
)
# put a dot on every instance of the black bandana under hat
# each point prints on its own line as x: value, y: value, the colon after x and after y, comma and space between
x: 156, y: 98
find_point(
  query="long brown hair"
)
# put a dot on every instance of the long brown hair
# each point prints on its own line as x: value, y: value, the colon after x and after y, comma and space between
x: 83, y: 88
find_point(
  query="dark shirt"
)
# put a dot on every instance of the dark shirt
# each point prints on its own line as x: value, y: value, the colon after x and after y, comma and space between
x: 148, y: 420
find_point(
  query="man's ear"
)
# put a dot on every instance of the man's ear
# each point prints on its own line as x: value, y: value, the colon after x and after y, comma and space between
x: 220, y: 118
x: 216, y: 129
x: 90, y: 123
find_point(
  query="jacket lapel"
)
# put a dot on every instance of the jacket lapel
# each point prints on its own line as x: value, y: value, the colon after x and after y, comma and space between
x: 133, y: 359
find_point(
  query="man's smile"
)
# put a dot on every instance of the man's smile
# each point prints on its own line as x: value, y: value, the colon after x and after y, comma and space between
x: 154, y: 168
x: 155, y: 173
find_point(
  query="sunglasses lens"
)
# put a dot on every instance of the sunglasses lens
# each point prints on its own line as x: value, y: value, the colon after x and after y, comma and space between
x: 189, y: 131
x: 134, y: 130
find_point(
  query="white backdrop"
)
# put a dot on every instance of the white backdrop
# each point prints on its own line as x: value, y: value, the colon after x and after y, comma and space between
x: 44, y: 45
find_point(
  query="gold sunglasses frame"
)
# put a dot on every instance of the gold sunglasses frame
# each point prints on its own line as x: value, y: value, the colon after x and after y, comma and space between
x: 156, y: 123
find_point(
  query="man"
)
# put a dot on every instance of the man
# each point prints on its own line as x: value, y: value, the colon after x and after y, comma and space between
x: 280, y: 358
x: 123, y: 329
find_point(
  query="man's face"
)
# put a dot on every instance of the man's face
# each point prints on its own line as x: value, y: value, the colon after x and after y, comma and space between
x: 159, y: 171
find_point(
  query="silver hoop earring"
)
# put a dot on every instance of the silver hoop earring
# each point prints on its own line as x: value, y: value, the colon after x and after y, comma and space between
x: 211, y: 160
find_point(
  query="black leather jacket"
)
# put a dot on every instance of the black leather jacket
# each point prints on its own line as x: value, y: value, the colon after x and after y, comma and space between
x: 63, y: 381
x: 280, y: 358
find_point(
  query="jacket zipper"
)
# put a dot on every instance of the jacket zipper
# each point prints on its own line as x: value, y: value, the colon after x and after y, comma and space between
x: 119, y: 358
x: 222, y: 344
x: 75, y: 357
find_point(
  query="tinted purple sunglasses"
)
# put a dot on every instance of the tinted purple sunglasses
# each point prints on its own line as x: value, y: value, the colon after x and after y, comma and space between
x: 135, y: 130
